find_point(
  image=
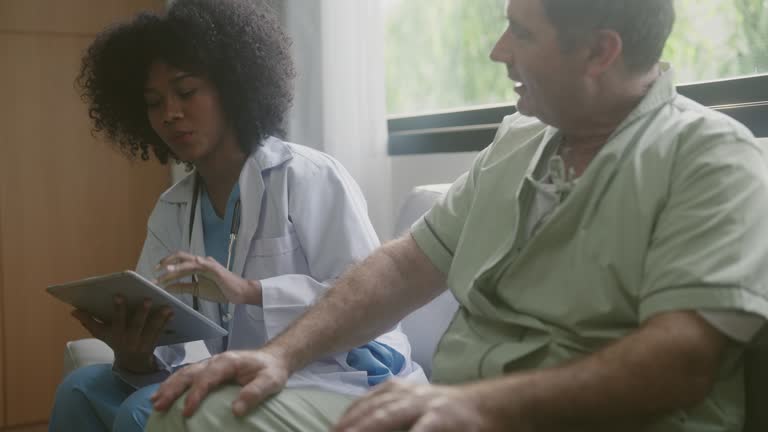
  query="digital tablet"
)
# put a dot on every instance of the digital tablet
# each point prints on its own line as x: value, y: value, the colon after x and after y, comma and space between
x: 95, y: 295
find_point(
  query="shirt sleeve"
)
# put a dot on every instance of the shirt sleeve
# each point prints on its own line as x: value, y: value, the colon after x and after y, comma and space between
x: 708, y: 248
x: 437, y: 233
x: 739, y: 326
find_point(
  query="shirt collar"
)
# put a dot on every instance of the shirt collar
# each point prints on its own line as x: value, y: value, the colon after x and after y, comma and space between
x: 662, y: 91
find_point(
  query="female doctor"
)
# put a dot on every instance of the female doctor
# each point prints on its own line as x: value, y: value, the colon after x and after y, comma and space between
x: 251, y: 237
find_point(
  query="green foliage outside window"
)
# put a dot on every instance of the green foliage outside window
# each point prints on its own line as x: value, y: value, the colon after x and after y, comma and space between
x: 437, y: 50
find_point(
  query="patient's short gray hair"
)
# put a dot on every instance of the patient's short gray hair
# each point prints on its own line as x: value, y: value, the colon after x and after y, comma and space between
x: 644, y: 25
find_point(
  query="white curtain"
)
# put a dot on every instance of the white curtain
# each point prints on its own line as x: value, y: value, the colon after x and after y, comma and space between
x: 339, y: 108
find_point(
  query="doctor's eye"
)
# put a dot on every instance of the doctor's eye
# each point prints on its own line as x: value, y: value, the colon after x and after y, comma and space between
x: 184, y: 94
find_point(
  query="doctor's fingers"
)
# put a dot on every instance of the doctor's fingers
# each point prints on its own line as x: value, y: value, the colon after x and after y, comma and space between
x: 173, y: 387
x: 174, y: 258
x: 188, y: 268
x: 120, y: 313
x: 153, y: 328
x: 205, y: 289
x: 130, y: 334
x: 95, y: 328
x: 183, y: 288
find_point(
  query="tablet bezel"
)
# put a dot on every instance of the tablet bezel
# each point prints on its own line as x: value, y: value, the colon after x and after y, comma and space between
x: 95, y: 295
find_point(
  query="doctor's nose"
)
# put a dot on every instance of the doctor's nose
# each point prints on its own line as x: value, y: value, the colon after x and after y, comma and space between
x: 172, y: 112
x: 170, y: 118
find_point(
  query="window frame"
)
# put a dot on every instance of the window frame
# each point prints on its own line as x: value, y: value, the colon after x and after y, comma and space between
x: 472, y: 129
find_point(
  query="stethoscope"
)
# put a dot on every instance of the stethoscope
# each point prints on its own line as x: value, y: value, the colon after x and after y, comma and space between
x: 233, y: 229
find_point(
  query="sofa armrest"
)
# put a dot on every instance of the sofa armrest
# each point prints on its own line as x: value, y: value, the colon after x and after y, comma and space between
x: 416, y: 203
x: 84, y: 352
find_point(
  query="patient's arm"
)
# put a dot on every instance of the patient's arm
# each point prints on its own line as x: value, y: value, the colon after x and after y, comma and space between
x: 368, y: 300
x: 670, y: 363
x: 666, y: 365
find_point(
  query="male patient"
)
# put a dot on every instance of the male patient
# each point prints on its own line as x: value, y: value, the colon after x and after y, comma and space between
x: 608, y: 251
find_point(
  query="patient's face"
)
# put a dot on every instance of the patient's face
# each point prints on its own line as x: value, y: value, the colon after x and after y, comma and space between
x: 547, y: 77
x: 185, y: 111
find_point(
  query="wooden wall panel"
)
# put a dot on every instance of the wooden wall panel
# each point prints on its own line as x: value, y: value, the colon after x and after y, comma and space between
x: 2, y: 309
x: 71, y: 207
x: 70, y: 16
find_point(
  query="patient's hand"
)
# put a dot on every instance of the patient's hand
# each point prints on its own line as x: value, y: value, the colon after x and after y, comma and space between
x: 260, y: 373
x: 133, y: 338
x: 214, y: 281
x: 398, y: 405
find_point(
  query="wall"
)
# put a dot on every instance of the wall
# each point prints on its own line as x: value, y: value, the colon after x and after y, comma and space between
x: 70, y: 206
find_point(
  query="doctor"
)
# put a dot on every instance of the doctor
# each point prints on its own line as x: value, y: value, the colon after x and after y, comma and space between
x: 251, y: 237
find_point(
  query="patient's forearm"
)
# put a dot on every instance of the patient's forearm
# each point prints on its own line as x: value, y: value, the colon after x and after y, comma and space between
x: 366, y: 302
x: 667, y: 365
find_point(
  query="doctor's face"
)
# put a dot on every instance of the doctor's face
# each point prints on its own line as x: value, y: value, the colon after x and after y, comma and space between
x: 548, y: 79
x: 184, y: 110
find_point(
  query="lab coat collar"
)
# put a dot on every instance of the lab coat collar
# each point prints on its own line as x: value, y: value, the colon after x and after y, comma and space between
x: 271, y: 153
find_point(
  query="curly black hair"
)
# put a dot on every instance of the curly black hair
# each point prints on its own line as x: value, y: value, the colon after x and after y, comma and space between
x: 236, y: 44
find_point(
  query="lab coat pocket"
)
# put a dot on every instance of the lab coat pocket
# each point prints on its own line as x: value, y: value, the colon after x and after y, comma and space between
x: 249, y: 331
x: 272, y: 257
x: 274, y: 246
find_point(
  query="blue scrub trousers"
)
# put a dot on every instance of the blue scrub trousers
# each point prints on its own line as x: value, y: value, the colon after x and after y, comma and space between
x: 92, y: 399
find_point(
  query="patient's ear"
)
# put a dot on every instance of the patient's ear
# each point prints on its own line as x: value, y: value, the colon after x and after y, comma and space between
x: 604, y: 51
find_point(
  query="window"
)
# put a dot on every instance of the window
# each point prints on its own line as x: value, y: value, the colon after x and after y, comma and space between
x: 439, y: 76
x: 436, y: 55
x: 715, y: 39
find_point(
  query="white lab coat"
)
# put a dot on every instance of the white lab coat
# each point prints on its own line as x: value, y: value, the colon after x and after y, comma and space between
x: 304, y: 221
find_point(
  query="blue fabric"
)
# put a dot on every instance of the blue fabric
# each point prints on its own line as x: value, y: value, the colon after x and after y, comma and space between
x: 379, y: 360
x: 93, y: 399
x: 215, y: 229
x: 216, y: 232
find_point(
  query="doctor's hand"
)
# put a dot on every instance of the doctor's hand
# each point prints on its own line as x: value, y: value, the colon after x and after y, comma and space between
x: 132, y: 335
x: 398, y: 405
x: 260, y: 373
x: 215, y: 283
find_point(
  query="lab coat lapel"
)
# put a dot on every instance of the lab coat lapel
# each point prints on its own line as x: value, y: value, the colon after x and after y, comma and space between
x: 271, y: 153
x: 251, y: 196
x: 196, y: 245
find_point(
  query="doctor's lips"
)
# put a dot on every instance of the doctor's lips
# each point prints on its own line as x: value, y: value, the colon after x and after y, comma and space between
x: 180, y: 136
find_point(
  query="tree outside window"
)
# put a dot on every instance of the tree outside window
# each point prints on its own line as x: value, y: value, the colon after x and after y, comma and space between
x: 437, y: 50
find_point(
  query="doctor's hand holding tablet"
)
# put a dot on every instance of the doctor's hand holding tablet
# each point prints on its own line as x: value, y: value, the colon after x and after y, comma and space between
x: 133, y: 315
x: 132, y: 334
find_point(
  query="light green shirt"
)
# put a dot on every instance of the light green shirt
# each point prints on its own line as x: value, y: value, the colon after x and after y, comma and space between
x: 672, y: 214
